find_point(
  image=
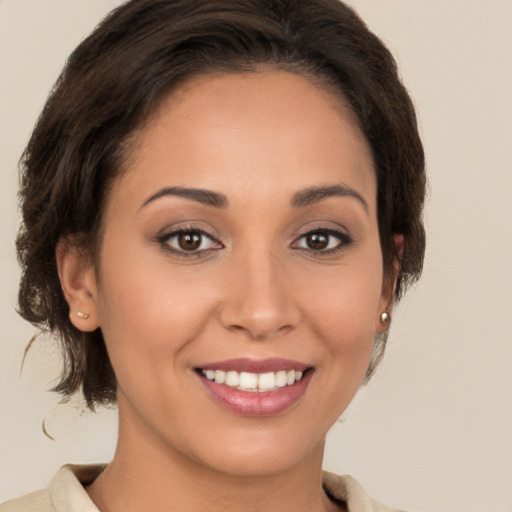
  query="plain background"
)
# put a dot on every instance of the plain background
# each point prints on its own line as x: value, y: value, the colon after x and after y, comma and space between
x: 433, y: 430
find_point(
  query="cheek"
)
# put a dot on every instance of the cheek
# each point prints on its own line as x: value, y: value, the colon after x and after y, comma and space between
x: 149, y: 311
x: 342, y: 316
x: 346, y: 304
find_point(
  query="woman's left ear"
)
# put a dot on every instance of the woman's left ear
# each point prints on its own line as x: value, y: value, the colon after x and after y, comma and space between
x: 389, y: 289
x: 78, y: 282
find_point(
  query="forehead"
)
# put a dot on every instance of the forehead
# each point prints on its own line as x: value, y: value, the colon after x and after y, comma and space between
x: 249, y: 132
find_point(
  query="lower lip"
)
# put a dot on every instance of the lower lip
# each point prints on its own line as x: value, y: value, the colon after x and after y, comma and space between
x: 257, y: 403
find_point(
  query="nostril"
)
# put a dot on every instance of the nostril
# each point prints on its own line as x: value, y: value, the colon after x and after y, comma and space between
x: 260, y: 334
x: 260, y: 314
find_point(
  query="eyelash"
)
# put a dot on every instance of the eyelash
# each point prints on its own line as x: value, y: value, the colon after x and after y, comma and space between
x: 344, y: 240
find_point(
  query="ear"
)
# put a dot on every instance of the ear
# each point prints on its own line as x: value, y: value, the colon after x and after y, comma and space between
x: 78, y: 281
x: 389, y: 287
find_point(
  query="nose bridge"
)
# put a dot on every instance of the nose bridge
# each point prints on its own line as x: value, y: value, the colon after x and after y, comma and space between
x: 258, y: 299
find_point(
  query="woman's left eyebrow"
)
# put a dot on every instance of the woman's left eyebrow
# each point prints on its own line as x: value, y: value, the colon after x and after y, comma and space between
x: 206, y: 197
x: 314, y: 195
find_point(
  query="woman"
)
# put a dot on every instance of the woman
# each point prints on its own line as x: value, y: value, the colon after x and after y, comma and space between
x: 221, y: 202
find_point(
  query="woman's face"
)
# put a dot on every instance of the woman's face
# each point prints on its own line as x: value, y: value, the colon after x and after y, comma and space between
x: 241, y: 245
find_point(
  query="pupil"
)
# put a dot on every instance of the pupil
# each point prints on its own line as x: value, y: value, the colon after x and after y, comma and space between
x: 317, y: 241
x: 189, y: 241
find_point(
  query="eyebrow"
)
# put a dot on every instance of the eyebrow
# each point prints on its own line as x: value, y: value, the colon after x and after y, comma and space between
x: 314, y: 195
x: 301, y: 199
x: 206, y: 197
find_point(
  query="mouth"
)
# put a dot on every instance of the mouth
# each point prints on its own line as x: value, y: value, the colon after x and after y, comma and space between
x: 256, y: 388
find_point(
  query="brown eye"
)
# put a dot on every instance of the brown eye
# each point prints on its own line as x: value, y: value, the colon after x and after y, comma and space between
x: 189, y: 241
x: 317, y: 241
x: 325, y: 241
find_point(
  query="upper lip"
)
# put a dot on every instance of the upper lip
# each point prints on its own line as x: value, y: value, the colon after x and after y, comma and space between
x: 243, y: 364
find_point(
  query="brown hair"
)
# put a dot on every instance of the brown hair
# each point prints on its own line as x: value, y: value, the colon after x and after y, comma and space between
x: 113, y: 82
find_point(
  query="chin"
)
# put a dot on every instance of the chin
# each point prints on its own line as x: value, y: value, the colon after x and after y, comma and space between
x: 261, y: 453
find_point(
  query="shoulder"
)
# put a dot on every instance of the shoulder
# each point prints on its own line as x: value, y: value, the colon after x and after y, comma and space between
x: 347, y: 490
x: 65, y: 493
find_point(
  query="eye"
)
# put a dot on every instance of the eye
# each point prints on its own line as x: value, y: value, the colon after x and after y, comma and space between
x: 323, y: 240
x: 189, y: 240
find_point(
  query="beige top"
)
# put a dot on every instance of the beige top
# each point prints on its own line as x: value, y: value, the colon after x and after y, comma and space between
x: 66, y: 493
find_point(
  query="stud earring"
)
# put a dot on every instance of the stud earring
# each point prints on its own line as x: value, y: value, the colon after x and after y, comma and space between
x: 84, y: 316
x: 385, y: 317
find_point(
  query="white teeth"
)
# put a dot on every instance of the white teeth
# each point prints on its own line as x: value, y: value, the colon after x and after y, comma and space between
x: 280, y: 379
x: 246, y: 381
x: 232, y: 379
x: 267, y: 381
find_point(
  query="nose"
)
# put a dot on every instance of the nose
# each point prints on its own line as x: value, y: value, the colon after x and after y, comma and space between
x: 259, y: 300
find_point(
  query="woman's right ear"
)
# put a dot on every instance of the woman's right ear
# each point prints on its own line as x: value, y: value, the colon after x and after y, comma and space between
x: 78, y: 282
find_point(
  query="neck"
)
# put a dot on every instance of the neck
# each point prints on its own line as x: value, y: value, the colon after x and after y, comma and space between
x: 144, y: 475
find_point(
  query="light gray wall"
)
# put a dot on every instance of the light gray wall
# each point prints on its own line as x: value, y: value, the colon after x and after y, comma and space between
x: 432, y: 432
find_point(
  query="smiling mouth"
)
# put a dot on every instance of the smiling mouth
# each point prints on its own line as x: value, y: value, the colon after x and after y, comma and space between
x: 254, y: 382
x: 252, y: 387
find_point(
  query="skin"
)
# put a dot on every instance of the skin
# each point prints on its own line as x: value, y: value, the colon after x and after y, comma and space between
x: 258, y: 291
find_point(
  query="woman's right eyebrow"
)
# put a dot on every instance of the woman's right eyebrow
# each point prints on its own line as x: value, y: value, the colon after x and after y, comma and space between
x: 206, y: 197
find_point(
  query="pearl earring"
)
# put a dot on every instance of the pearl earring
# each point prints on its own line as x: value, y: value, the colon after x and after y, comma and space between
x: 385, y: 317
x: 84, y: 316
